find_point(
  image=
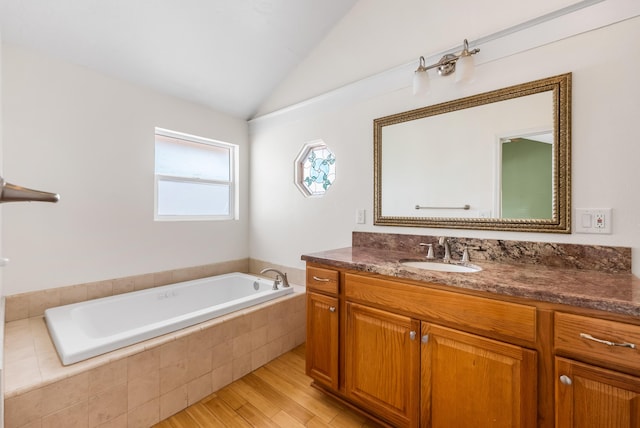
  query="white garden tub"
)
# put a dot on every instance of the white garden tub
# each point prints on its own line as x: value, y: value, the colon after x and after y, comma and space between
x: 84, y: 330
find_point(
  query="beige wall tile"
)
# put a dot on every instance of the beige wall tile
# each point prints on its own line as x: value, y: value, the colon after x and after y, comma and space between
x: 199, y: 342
x: 119, y: 422
x: 198, y: 365
x: 96, y: 290
x: 173, y: 401
x: 259, y: 357
x: 108, y: 405
x: 240, y: 325
x: 143, y: 389
x: 142, y: 282
x: 221, y: 354
x: 144, y: 416
x: 241, y: 366
x: 41, y: 300
x: 173, y: 376
x: 21, y: 373
x: 107, y: 376
x: 259, y: 337
x: 259, y: 318
x: 222, y: 376
x: 24, y: 408
x: 16, y: 307
x: 65, y: 393
x: 143, y: 363
x: 241, y: 345
x: 173, y: 351
x: 199, y: 388
x: 220, y: 333
x: 73, y: 294
x: 75, y: 416
x: 163, y: 278
x: 123, y: 285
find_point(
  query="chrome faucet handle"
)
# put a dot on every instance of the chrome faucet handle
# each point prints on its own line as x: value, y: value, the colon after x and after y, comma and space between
x: 429, y: 250
x: 447, y: 251
x: 465, y: 255
x: 279, y: 277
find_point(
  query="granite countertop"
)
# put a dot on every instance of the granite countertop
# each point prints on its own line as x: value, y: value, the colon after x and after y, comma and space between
x: 612, y: 292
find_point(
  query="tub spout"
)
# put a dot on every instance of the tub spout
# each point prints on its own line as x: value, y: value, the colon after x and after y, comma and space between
x: 12, y: 193
x: 279, y: 276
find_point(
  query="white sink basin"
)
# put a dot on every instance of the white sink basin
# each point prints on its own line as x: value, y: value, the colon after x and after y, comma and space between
x: 442, y: 267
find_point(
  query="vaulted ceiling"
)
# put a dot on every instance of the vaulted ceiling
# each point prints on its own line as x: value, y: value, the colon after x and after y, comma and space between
x: 226, y: 54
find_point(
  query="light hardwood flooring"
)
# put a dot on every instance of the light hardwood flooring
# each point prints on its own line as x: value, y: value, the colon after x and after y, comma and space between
x: 276, y: 395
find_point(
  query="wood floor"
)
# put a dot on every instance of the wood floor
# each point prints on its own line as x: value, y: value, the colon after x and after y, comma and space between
x: 276, y: 395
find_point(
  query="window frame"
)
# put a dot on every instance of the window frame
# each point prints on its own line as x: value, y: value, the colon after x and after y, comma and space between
x: 232, y: 183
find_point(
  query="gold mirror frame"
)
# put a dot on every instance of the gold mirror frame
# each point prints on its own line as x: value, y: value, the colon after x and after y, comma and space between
x: 561, y: 219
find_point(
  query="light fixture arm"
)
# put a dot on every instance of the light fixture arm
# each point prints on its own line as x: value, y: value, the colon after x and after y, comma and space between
x: 447, y: 63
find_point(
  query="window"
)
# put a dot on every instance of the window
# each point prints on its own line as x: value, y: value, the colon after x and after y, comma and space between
x: 195, y: 178
x: 315, y: 169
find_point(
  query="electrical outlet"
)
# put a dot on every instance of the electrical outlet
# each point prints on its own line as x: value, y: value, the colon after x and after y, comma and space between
x: 593, y: 221
x: 360, y: 216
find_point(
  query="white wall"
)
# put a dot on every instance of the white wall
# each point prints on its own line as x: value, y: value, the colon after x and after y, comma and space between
x: 606, y: 107
x: 90, y: 138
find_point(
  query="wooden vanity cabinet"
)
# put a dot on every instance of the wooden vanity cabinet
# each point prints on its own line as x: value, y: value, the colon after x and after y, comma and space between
x: 323, y: 310
x: 407, y: 358
x: 471, y: 380
x: 587, y: 393
x: 592, y: 397
x: 413, y: 354
x: 382, y: 363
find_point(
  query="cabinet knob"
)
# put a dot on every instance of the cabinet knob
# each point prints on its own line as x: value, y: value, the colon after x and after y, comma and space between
x: 565, y: 380
x: 412, y: 335
x: 332, y: 308
x: 425, y: 338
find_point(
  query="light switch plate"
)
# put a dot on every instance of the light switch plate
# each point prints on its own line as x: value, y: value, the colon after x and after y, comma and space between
x: 595, y: 220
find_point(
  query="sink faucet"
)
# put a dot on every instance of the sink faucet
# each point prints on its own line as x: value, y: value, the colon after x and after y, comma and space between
x: 279, y: 276
x: 447, y: 251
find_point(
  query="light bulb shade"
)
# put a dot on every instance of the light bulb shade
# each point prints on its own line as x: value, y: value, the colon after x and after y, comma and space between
x: 420, y: 82
x: 465, y: 68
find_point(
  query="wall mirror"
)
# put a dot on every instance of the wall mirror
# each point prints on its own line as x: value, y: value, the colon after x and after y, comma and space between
x: 498, y: 160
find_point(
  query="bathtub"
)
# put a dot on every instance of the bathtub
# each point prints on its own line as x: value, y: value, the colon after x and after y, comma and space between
x: 83, y: 330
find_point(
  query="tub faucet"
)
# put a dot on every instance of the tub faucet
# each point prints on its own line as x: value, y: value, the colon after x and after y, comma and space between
x: 447, y: 251
x: 279, y: 276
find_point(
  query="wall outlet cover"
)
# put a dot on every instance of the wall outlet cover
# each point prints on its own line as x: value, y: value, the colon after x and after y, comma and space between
x: 593, y: 220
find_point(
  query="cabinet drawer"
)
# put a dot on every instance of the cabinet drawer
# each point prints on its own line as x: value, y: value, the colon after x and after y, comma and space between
x: 597, y: 340
x: 325, y: 280
x: 493, y: 318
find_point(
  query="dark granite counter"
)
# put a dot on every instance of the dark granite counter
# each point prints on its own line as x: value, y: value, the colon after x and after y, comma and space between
x: 596, y: 289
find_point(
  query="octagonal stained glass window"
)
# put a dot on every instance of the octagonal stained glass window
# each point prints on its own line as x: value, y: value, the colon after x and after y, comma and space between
x: 315, y: 169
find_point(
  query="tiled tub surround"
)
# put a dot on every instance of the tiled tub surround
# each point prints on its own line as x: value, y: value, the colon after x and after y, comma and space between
x: 585, y: 276
x: 144, y: 383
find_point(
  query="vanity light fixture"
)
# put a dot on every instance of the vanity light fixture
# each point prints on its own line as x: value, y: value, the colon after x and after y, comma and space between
x: 446, y: 66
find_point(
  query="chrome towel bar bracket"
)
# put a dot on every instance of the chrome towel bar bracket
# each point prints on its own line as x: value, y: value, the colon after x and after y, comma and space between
x: 12, y: 193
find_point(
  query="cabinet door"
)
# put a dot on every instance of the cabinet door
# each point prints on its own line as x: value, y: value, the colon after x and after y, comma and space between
x: 322, y: 339
x: 592, y: 397
x: 468, y: 380
x: 382, y: 363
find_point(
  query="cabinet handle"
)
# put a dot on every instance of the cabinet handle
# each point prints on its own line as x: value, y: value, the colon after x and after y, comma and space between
x: 566, y: 380
x: 332, y: 308
x: 607, y: 342
x: 412, y: 335
x: 315, y: 278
